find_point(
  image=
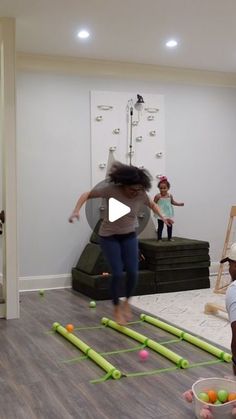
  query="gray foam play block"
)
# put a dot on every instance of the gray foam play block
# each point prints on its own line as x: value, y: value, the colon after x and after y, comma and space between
x: 98, y: 286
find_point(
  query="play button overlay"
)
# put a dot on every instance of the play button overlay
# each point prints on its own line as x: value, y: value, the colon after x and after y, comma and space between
x: 116, y: 210
x: 97, y: 209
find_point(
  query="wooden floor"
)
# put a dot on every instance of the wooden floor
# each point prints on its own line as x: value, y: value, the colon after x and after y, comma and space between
x: 35, y: 383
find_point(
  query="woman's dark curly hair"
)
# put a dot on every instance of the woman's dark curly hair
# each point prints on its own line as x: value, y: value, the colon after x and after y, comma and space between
x: 129, y: 175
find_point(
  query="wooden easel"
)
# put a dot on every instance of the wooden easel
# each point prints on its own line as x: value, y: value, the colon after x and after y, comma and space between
x: 220, y: 287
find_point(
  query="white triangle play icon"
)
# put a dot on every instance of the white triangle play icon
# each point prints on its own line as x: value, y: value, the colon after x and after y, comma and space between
x: 116, y: 210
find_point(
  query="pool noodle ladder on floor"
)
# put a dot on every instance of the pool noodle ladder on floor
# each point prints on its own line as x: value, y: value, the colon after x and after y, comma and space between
x: 157, y: 347
x: 187, y: 337
x: 89, y: 352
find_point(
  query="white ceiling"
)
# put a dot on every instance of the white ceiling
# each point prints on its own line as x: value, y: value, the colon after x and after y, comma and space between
x: 130, y: 30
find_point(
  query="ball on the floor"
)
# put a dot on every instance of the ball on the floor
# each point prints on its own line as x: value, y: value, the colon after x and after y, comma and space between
x: 69, y: 328
x: 41, y: 292
x: 143, y: 355
x: 92, y: 304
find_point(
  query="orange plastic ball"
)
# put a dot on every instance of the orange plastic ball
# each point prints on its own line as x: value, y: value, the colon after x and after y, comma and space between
x: 69, y: 328
x: 231, y: 396
x: 212, y: 396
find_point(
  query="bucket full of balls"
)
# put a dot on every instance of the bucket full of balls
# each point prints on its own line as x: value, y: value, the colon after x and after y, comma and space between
x: 214, y: 398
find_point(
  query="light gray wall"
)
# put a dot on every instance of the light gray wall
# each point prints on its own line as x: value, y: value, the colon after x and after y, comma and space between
x: 53, y: 135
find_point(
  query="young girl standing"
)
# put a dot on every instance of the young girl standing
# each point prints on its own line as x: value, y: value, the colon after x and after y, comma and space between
x: 165, y: 202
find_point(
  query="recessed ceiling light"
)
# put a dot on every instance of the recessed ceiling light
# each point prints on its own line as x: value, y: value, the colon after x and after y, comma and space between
x: 171, y: 43
x: 83, y: 34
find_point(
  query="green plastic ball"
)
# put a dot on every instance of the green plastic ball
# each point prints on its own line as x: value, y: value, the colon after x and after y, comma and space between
x: 41, y: 292
x: 218, y: 402
x: 92, y: 304
x: 222, y: 395
x: 203, y: 396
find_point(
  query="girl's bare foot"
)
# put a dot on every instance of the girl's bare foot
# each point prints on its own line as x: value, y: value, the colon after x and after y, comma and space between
x: 118, y: 316
x: 127, y: 311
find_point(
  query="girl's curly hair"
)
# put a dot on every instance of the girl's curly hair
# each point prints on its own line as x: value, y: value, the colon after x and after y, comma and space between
x: 164, y: 180
x: 129, y: 175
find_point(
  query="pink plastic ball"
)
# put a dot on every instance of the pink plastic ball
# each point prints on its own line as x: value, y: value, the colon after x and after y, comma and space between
x: 143, y: 355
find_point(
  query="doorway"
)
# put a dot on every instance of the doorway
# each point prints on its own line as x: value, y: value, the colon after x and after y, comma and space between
x: 9, y: 289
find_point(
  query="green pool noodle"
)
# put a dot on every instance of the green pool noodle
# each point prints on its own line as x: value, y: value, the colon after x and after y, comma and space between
x: 97, y: 358
x: 194, y: 340
x: 157, y: 347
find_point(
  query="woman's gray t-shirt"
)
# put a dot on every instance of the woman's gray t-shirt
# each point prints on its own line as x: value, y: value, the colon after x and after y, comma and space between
x: 129, y: 222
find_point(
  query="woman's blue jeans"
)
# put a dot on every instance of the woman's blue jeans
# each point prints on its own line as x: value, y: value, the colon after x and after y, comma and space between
x: 121, y: 252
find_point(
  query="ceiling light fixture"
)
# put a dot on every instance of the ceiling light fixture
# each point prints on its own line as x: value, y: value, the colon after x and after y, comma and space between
x: 171, y: 43
x: 83, y: 34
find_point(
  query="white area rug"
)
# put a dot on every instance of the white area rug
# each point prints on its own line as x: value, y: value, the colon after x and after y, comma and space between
x: 185, y: 309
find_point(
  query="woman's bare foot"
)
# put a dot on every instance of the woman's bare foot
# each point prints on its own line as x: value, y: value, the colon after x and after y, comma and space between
x: 118, y: 315
x: 127, y: 311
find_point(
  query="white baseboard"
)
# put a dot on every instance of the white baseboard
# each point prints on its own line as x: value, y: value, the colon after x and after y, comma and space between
x: 32, y: 283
